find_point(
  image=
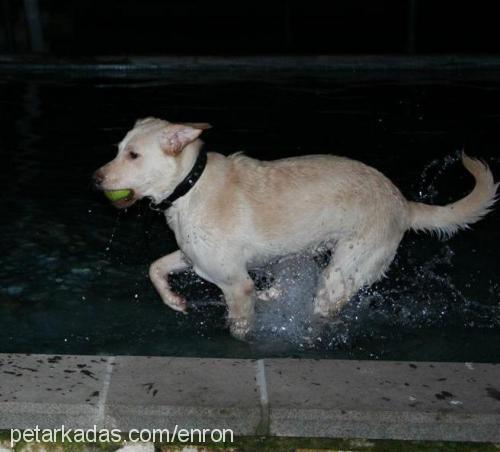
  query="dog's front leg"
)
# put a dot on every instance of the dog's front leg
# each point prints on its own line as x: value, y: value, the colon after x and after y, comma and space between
x: 240, y: 301
x: 159, y: 272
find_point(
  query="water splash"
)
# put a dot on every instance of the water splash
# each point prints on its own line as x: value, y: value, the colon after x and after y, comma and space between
x: 108, y: 247
x: 416, y: 295
x: 288, y: 315
x: 427, y: 191
x: 421, y: 291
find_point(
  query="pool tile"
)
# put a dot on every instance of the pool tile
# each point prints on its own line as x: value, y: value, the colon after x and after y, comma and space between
x: 51, y: 390
x: 150, y: 392
x: 377, y: 399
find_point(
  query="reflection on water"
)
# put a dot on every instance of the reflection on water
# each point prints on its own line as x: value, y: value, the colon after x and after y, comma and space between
x: 74, y: 271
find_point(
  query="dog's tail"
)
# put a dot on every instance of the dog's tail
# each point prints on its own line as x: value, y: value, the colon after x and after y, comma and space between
x: 446, y: 220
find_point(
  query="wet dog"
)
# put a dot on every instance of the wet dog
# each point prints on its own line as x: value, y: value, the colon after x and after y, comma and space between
x: 230, y: 214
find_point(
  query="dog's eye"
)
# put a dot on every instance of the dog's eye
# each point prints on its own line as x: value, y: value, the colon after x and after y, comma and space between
x: 133, y: 155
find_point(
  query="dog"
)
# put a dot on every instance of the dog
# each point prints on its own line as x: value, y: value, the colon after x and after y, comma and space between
x: 231, y: 214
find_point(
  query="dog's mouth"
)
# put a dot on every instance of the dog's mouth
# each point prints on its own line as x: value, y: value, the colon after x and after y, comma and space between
x: 121, y: 200
x: 125, y: 202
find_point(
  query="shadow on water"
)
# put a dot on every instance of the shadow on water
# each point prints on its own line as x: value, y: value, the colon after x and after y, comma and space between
x: 74, y: 271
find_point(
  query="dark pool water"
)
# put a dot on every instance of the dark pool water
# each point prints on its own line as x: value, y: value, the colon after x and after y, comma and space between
x: 74, y: 271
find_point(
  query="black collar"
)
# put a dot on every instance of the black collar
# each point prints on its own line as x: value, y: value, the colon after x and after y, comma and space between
x: 187, y: 183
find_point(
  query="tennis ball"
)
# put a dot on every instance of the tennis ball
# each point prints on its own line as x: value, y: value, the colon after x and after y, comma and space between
x: 117, y: 195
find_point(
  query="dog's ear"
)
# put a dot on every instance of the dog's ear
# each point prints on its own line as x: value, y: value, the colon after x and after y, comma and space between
x: 175, y: 137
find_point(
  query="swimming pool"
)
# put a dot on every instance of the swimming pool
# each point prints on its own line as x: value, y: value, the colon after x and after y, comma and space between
x: 74, y: 270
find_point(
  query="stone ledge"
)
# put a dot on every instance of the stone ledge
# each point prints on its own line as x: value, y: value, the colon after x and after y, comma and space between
x: 191, y: 392
x: 381, y: 399
x: 195, y: 67
x: 281, y: 397
x: 50, y: 390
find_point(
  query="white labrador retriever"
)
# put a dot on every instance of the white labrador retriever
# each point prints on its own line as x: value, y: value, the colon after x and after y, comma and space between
x: 233, y: 213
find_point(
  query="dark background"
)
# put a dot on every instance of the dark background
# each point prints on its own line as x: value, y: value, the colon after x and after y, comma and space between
x: 79, y: 28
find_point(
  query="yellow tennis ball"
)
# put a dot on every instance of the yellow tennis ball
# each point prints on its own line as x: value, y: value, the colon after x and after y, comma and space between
x: 117, y: 195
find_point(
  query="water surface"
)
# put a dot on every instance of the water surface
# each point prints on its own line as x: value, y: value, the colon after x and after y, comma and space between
x: 74, y: 270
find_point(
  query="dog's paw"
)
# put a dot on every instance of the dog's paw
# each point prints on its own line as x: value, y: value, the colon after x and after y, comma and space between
x: 239, y: 328
x: 271, y: 294
x: 322, y: 304
x: 175, y: 302
x: 327, y: 307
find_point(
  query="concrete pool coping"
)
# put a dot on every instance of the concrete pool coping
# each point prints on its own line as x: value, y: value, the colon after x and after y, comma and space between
x: 277, y: 397
x: 206, y: 67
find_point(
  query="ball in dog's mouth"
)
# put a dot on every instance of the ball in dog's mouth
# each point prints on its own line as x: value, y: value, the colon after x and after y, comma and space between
x: 121, y: 198
x: 118, y: 195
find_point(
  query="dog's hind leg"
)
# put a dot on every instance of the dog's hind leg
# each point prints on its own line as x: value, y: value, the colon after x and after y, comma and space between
x: 159, y: 272
x: 355, y: 263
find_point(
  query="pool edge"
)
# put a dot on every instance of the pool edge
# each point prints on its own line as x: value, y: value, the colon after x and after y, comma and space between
x: 277, y: 397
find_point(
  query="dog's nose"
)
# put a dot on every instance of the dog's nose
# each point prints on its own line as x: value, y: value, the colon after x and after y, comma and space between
x: 98, y: 178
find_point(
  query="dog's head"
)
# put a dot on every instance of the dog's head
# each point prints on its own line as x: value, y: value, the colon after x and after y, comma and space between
x: 150, y: 160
